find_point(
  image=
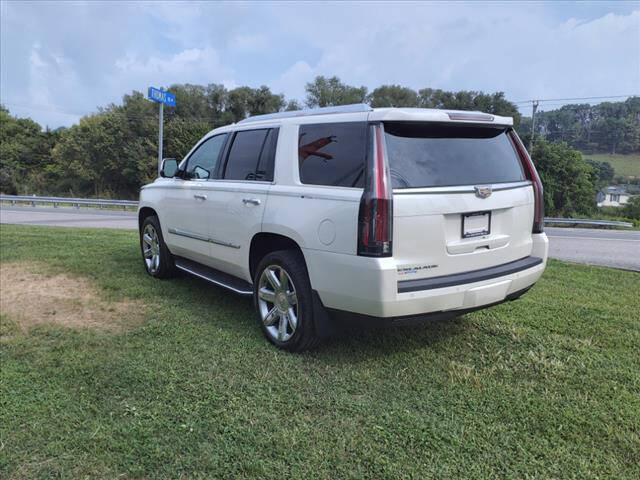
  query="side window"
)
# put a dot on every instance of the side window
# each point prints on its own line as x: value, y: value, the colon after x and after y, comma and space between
x: 202, y: 163
x: 332, y: 153
x: 244, y: 154
x: 268, y: 156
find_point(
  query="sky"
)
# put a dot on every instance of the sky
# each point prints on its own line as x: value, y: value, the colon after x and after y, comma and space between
x: 62, y: 60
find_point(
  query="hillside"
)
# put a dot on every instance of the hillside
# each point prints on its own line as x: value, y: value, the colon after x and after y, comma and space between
x: 624, y: 165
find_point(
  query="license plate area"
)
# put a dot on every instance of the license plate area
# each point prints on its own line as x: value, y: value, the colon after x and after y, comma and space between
x: 476, y: 224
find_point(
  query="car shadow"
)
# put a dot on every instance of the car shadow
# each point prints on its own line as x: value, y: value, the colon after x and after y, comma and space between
x: 349, y: 343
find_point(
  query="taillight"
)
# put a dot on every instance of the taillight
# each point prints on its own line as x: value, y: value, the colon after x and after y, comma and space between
x: 375, y: 218
x: 531, y: 174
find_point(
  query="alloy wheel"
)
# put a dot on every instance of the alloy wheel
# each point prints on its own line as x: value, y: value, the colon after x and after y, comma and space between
x: 151, y: 248
x: 278, y: 303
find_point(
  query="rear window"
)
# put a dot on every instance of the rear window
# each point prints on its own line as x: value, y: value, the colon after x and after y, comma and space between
x: 332, y: 153
x: 436, y: 155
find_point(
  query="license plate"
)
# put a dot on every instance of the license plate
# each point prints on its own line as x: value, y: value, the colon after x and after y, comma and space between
x: 476, y: 224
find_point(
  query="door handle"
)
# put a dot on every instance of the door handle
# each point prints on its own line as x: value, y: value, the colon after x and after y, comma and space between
x: 252, y: 201
x: 198, y: 196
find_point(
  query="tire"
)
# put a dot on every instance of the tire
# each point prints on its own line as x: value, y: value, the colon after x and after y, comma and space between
x: 156, y: 257
x: 285, y: 316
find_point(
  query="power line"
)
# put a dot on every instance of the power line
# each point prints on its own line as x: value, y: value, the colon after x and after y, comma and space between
x: 575, y: 98
x: 142, y: 116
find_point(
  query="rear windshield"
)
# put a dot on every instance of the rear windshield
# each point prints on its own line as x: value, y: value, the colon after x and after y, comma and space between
x: 436, y: 155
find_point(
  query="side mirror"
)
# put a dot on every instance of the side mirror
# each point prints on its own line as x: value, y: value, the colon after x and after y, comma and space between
x: 169, y: 167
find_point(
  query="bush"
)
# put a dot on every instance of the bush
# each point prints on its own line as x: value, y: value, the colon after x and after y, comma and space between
x: 566, y: 177
x: 632, y: 209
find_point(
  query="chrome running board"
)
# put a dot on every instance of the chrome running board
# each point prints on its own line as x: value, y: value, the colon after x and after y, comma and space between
x: 214, y: 276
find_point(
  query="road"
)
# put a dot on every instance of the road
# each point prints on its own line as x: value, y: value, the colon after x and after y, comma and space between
x: 68, y: 217
x: 610, y: 248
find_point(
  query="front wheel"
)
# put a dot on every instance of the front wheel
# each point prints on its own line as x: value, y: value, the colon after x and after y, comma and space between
x: 283, y: 301
x: 157, y: 258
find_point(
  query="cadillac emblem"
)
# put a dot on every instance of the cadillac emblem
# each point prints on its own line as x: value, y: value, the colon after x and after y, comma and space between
x: 483, y: 192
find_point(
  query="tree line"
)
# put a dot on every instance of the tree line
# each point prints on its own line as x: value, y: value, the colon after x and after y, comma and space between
x: 113, y: 152
x: 609, y: 127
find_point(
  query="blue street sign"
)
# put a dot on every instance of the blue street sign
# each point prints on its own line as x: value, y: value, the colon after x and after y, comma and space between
x: 160, y: 96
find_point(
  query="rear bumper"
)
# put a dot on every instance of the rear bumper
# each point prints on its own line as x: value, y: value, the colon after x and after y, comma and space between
x: 370, y: 286
x: 431, y: 283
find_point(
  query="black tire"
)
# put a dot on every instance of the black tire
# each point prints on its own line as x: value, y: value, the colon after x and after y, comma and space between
x: 304, y: 336
x: 166, y: 267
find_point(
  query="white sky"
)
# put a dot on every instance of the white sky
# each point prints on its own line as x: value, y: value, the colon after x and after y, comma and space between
x: 60, y: 60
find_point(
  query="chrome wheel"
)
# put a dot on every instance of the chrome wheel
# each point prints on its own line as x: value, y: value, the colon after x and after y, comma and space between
x: 151, y: 248
x: 278, y: 303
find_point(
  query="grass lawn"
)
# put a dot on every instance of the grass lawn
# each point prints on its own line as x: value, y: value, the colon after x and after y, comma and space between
x: 624, y: 165
x: 544, y: 387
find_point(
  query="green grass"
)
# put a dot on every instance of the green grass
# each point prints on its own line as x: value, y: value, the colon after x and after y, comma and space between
x: 545, y: 387
x: 624, y: 165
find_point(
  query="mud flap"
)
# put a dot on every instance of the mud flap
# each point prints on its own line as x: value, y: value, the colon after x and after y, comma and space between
x: 324, y: 325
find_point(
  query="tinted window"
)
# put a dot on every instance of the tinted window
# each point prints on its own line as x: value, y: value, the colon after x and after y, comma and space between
x: 332, y: 153
x: 203, y: 162
x: 244, y: 154
x: 423, y: 155
x: 267, y: 159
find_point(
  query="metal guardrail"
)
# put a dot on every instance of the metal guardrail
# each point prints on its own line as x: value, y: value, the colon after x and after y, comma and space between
x: 33, y: 200
x: 586, y: 221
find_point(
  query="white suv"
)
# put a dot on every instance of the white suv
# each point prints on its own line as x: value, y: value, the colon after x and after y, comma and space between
x: 386, y: 213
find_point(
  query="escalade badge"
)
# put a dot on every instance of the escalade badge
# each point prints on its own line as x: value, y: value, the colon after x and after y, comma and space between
x: 483, y: 192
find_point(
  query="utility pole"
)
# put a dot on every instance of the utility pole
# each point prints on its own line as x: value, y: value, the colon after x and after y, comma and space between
x: 533, y: 122
x: 160, y: 125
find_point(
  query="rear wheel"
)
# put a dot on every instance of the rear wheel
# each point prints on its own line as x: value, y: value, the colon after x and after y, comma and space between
x: 157, y: 258
x: 283, y: 301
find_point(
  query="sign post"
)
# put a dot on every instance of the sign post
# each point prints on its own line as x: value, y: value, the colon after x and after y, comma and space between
x: 162, y: 98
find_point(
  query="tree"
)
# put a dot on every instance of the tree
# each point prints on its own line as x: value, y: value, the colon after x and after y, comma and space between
x: 393, y: 96
x: 292, y: 105
x: 632, y: 209
x: 566, y: 178
x: 603, y: 173
x: 24, y: 152
x: 326, y: 92
x: 611, y: 127
x: 469, y: 100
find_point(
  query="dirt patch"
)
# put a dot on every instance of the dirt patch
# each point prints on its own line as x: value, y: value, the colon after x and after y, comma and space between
x: 30, y: 297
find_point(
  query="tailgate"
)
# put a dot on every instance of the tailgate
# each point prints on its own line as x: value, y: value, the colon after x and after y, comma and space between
x: 451, y: 232
x: 460, y: 200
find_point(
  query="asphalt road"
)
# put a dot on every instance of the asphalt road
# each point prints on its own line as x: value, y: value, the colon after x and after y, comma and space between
x: 610, y: 248
x: 68, y: 217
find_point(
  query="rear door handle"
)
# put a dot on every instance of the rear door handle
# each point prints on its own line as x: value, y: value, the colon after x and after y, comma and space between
x: 252, y: 201
x: 198, y: 196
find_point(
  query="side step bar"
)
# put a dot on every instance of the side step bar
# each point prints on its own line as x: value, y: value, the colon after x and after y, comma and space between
x: 214, y: 276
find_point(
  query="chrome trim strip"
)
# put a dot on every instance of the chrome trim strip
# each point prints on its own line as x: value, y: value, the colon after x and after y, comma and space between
x: 215, y: 282
x: 202, y: 238
x: 496, y: 187
x: 182, y: 233
x: 313, y: 197
x: 224, y: 244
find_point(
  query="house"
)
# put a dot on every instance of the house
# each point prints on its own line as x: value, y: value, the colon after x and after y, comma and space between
x: 616, y: 195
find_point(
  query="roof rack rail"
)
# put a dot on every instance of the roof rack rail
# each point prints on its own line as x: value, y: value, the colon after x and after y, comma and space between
x: 354, y: 108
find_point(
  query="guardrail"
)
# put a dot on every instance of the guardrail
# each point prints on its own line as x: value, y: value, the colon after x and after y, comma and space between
x: 33, y: 200
x: 586, y: 221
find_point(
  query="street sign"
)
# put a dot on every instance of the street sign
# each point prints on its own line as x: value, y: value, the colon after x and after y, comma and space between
x: 160, y: 96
